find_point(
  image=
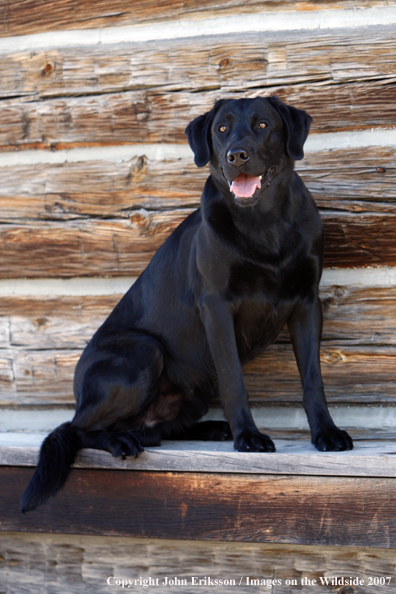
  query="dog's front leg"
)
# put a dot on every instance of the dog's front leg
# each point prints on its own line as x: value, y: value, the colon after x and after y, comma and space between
x: 305, y: 326
x: 221, y: 337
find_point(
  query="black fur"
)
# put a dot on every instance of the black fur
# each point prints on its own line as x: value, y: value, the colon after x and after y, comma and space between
x: 216, y: 294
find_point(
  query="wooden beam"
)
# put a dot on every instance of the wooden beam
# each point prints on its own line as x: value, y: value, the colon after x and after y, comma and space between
x: 353, y: 316
x: 78, y: 564
x: 226, y: 63
x: 21, y: 17
x: 152, y: 116
x: 42, y: 339
x: 294, y: 456
x: 346, y: 180
x: 352, y: 375
x: 271, y: 509
x: 125, y: 246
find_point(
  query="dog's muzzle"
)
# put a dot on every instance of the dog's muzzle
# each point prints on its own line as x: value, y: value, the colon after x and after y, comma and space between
x: 247, y: 187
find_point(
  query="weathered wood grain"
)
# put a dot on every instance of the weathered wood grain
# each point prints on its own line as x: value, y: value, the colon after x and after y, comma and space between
x: 152, y: 116
x: 351, y: 374
x: 111, y: 247
x: 270, y: 509
x: 100, y: 188
x: 348, y: 180
x: 224, y: 62
x: 21, y: 17
x: 40, y: 377
x: 75, y: 563
x: 353, y: 316
x: 365, y: 239
x: 42, y: 339
x: 85, y: 247
x: 292, y: 457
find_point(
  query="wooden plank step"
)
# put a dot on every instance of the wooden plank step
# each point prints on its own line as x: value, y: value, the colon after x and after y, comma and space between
x: 271, y: 508
x: 292, y: 457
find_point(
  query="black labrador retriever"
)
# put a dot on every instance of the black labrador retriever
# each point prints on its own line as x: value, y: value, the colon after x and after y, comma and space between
x: 215, y: 295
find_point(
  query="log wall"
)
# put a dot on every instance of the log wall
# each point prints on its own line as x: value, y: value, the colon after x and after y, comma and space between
x: 74, y: 564
x: 95, y: 170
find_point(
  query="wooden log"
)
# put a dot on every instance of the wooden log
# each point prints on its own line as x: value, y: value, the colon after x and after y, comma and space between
x: 353, y: 240
x: 293, y: 456
x: 41, y: 377
x: 42, y: 339
x: 270, y: 509
x: 125, y: 246
x: 352, y: 375
x: 79, y: 563
x: 235, y: 62
x: 152, y: 116
x: 351, y: 180
x: 21, y: 17
x: 353, y: 316
x: 79, y: 248
x: 99, y: 188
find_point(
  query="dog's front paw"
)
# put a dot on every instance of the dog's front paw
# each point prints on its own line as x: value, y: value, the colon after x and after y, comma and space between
x: 332, y: 439
x: 254, y: 442
x: 125, y: 444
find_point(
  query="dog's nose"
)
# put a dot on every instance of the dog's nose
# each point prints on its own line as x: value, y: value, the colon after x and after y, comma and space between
x: 238, y: 156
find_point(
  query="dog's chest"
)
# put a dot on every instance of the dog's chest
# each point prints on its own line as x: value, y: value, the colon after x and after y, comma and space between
x: 272, y: 284
x: 262, y: 300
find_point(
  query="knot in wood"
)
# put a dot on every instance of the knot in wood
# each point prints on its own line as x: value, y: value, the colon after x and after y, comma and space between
x: 48, y: 68
x: 139, y: 168
x: 381, y: 170
x: 224, y: 63
x: 41, y: 322
x: 141, y: 218
x: 334, y: 357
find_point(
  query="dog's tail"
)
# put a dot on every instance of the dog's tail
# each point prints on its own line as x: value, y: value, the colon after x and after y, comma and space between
x: 57, y: 454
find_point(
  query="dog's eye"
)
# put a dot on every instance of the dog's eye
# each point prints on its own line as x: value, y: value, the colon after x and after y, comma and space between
x: 223, y: 128
x: 262, y: 124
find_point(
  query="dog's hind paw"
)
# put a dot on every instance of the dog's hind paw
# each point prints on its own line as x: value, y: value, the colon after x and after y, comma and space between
x: 332, y: 440
x: 125, y: 444
x: 211, y: 431
x: 254, y: 442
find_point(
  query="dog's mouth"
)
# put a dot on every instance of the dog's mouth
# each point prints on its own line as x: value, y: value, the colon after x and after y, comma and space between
x: 247, y: 187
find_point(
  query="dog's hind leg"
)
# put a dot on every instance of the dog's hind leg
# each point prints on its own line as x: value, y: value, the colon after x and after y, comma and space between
x: 113, y: 389
x: 113, y: 385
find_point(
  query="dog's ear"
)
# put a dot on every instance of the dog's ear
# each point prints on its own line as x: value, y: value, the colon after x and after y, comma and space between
x: 199, y: 135
x: 296, y: 123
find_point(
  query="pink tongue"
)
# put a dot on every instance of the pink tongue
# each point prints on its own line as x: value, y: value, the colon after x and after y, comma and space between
x: 245, y: 185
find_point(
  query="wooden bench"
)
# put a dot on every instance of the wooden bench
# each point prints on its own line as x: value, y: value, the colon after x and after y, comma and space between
x: 207, y: 491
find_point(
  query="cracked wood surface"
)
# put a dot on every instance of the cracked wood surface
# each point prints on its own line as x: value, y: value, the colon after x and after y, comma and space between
x: 206, y: 506
x: 21, y: 17
x: 42, y: 339
x: 75, y: 563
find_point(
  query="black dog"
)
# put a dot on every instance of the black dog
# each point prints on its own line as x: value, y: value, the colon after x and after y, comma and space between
x: 215, y: 295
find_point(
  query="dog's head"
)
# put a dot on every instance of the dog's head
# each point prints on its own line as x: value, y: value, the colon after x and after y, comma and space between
x: 248, y: 143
